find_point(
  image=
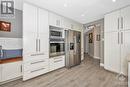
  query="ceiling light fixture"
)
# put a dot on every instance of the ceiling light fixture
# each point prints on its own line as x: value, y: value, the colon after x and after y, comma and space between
x: 114, y: 0
x: 65, y: 5
x: 82, y: 15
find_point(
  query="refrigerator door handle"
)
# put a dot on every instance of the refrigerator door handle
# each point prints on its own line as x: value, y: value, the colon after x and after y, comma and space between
x: 75, y: 48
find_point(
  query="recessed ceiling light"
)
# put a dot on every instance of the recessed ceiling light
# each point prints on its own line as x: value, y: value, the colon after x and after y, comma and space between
x: 65, y: 5
x: 82, y: 15
x: 114, y: 0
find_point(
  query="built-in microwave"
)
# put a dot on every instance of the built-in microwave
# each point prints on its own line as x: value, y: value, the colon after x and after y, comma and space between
x: 56, y: 32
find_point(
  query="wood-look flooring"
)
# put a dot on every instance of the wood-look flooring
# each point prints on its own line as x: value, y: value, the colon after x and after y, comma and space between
x: 88, y: 74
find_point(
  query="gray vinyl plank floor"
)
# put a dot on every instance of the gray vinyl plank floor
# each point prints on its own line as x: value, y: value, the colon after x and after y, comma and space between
x: 87, y: 74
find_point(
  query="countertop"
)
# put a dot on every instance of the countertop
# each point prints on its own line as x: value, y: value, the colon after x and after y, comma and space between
x: 9, y: 60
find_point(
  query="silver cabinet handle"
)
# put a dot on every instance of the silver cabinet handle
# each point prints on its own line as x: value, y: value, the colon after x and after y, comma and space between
x: 21, y: 68
x: 121, y: 37
x: 118, y: 38
x: 36, y: 45
x: 37, y: 62
x: 37, y: 70
x: 57, y: 61
x: 37, y: 54
x: 39, y: 45
x: 122, y: 22
x: 118, y: 23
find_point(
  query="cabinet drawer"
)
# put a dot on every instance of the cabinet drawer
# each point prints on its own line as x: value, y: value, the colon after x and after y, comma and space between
x: 35, y: 64
x: 59, y: 62
x: 35, y: 72
x: 34, y: 57
x: 56, y: 63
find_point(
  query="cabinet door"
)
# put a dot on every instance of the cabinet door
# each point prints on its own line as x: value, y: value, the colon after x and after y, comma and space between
x: 43, y: 26
x: 112, y: 22
x: 0, y: 73
x: 125, y: 50
x: 29, y: 18
x: 43, y: 45
x: 112, y: 52
x: 67, y: 24
x: 30, y: 43
x: 55, y: 20
x: 11, y: 70
x: 125, y: 21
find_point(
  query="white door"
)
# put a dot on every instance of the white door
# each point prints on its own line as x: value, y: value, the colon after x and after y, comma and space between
x: 112, y: 52
x: 125, y: 50
x: 125, y: 13
x: 43, y: 47
x: 43, y: 26
x: 112, y: 21
x: 29, y: 18
x: 30, y: 44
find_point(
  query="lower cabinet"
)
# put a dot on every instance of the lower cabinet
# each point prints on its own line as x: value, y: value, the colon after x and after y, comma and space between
x: 11, y: 71
x: 56, y: 63
x: 35, y: 67
x: 0, y: 73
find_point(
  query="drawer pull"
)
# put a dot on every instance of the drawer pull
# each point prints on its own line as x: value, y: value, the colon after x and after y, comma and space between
x: 37, y: 54
x: 57, y: 61
x: 38, y: 62
x: 37, y: 70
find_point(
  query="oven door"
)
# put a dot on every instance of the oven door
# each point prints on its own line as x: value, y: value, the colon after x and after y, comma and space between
x: 57, y: 49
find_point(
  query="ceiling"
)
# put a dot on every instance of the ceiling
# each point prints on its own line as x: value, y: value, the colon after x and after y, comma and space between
x: 83, y: 11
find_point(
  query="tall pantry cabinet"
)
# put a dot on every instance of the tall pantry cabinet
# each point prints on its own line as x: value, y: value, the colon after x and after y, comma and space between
x: 117, y: 40
x: 35, y: 41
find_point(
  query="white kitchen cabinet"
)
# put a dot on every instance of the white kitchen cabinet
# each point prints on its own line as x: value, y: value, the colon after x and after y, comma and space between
x: 35, y: 44
x: 43, y: 22
x: 112, y: 22
x: 29, y: 18
x: 30, y: 43
x: 67, y: 24
x: 11, y: 70
x: 117, y: 44
x: 125, y: 18
x: 0, y: 73
x: 44, y: 44
x: 125, y: 50
x: 128, y: 74
x: 112, y: 52
x: 55, y: 20
x: 56, y: 63
x: 51, y: 64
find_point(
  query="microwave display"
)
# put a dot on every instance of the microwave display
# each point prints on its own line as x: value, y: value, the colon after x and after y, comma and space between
x: 55, y: 33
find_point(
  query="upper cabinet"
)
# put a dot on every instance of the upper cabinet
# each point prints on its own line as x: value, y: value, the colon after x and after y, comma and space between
x: 118, y: 20
x: 29, y: 13
x: 112, y: 21
x: 55, y: 20
x: 43, y: 21
x: 125, y: 18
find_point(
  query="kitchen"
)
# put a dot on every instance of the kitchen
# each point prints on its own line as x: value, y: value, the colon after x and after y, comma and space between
x: 41, y: 47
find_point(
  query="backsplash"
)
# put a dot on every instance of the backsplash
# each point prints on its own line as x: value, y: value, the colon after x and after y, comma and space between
x: 10, y: 47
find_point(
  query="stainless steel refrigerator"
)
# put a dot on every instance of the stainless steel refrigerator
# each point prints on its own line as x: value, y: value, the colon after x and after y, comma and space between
x: 73, y: 48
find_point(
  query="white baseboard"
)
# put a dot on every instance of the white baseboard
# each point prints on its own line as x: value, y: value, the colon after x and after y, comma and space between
x: 101, y: 64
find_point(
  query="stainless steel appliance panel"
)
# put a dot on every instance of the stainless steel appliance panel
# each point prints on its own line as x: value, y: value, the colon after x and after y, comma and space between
x: 73, y: 48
